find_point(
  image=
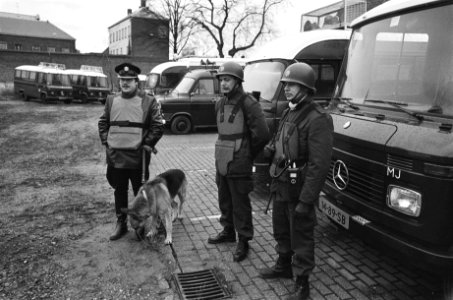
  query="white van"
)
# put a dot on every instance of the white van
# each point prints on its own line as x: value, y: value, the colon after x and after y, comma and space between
x: 165, y: 76
x: 323, y: 49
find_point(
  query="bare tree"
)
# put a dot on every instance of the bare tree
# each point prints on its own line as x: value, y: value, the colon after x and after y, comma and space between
x: 181, y: 26
x: 245, y: 22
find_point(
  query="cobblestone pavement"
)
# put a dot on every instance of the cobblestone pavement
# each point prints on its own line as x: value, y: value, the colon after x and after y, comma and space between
x: 346, y: 267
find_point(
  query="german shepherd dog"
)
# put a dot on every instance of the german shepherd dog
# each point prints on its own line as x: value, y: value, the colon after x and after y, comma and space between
x: 156, y: 202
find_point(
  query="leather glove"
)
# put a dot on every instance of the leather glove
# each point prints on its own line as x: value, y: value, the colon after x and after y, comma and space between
x: 304, y: 208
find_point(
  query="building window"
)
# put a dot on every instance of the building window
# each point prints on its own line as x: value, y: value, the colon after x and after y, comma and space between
x: 65, y: 50
x: 18, y: 47
x: 35, y: 48
x: 51, y: 49
x: 3, y: 45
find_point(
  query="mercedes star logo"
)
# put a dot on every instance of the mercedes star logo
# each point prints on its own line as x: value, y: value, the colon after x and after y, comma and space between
x: 340, y: 175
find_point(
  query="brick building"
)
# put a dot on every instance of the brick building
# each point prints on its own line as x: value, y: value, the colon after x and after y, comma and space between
x: 141, y: 33
x: 28, y: 33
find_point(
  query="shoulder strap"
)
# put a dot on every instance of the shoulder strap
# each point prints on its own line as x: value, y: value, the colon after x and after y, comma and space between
x: 239, y: 104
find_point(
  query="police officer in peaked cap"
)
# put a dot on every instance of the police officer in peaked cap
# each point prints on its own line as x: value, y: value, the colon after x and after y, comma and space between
x: 131, y: 120
x: 127, y: 71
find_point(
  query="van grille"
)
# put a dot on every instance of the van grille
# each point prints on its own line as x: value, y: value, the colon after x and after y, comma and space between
x: 363, y: 184
x: 399, y: 162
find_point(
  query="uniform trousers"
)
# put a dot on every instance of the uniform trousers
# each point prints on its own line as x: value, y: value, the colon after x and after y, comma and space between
x: 294, y: 234
x: 234, y: 204
x: 119, y: 181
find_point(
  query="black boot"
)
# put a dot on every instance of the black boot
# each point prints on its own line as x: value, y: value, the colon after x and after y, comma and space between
x: 241, y: 250
x: 281, y: 269
x: 120, y: 230
x: 225, y: 236
x: 302, y: 289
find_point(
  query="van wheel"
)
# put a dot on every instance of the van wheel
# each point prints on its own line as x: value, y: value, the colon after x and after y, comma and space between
x: 67, y: 101
x: 102, y: 101
x: 181, y: 125
x: 84, y: 98
x: 447, y: 286
x: 43, y: 98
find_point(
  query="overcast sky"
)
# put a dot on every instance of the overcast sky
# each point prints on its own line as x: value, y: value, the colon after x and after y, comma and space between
x: 88, y: 20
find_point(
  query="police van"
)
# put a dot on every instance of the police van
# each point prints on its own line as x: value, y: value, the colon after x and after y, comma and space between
x: 391, y: 175
x: 322, y: 49
x: 89, y: 83
x: 46, y: 81
x: 165, y: 76
x: 191, y: 104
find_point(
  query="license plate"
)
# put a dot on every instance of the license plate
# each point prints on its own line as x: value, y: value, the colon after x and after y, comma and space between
x: 334, y: 213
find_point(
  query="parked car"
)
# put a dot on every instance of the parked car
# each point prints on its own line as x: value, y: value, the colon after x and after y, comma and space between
x: 190, y: 104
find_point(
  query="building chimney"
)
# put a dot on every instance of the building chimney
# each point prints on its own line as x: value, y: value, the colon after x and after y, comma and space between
x: 129, y: 12
x: 142, y: 3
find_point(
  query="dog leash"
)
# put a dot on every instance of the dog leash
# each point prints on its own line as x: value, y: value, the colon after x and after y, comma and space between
x: 176, y: 257
x: 150, y: 150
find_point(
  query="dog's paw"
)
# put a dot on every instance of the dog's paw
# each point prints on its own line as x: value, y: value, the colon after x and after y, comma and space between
x: 168, y: 241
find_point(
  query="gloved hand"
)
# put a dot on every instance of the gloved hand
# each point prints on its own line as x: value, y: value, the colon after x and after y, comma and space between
x: 304, y: 208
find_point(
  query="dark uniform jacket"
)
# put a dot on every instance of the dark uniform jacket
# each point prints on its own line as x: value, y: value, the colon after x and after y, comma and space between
x: 314, y: 150
x: 256, y: 133
x: 152, y: 132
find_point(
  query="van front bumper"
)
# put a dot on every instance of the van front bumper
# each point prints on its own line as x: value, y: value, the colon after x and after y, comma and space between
x: 424, y: 257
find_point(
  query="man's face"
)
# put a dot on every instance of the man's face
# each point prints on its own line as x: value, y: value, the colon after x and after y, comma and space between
x: 128, y: 85
x: 227, y: 83
x: 292, y: 90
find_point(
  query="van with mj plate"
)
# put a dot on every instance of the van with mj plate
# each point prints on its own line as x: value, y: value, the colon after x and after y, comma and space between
x: 391, y: 175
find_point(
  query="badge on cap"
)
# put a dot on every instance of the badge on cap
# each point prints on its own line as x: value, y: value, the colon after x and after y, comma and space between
x: 126, y: 68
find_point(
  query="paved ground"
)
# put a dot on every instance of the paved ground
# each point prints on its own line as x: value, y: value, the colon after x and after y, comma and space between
x: 346, y: 267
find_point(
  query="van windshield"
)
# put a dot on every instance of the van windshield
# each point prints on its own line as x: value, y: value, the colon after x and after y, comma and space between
x: 405, y: 59
x: 97, y: 82
x: 184, y: 86
x: 263, y: 77
x: 58, y: 79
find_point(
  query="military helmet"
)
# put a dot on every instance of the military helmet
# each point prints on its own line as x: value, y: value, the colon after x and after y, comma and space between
x: 231, y: 69
x: 300, y: 73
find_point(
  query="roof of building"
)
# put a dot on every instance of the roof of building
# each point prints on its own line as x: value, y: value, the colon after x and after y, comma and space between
x: 32, y: 26
x: 142, y: 12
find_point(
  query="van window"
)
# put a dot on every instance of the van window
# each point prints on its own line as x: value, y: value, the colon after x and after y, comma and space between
x: 404, y: 60
x: 204, y: 87
x: 325, y: 79
x: 32, y: 76
x: 263, y: 77
x: 184, y: 86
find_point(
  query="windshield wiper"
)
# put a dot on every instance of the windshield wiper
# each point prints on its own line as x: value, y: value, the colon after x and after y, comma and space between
x: 399, y: 106
x: 346, y: 101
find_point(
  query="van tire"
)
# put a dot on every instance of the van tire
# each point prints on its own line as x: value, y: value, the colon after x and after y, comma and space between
x: 67, y: 101
x: 181, y: 125
x: 43, y: 98
x: 84, y: 98
x: 102, y: 101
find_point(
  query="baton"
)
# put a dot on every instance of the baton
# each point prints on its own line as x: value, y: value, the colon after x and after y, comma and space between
x: 268, y: 203
x: 150, y: 150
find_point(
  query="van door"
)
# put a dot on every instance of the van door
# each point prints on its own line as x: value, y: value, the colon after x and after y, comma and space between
x: 203, y: 98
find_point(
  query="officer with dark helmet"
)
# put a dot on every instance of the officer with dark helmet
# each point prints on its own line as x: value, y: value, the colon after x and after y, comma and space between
x: 131, y: 120
x: 242, y: 134
x: 300, y: 152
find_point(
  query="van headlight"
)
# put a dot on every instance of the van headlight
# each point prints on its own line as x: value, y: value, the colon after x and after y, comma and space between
x: 404, y: 200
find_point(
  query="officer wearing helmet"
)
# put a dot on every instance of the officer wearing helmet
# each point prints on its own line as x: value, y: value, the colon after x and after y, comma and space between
x: 131, y: 120
x: 300, y: 153
x: 243, y: 133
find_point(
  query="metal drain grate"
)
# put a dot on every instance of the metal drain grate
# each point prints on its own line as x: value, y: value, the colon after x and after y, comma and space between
x: 200, y: 285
